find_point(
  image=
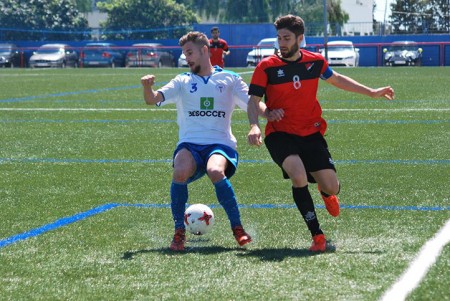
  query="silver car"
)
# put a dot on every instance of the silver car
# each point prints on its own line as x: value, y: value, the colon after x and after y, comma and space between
x: 54, y: 55
x: 149, y: 55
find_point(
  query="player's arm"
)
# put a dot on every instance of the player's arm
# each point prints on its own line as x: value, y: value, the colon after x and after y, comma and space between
x: 151, y: 97
x: 348, y: 84
x: 253, y: 111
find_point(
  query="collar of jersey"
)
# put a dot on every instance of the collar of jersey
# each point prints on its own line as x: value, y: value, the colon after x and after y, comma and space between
x: 205, y: 79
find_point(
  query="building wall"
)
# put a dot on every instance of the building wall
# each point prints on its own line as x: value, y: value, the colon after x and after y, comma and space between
x: 360, y: 21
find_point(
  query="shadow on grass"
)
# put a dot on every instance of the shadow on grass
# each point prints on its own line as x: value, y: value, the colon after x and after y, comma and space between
x: 194, y: 247
x: 279, y: 254
x: 207, y: 250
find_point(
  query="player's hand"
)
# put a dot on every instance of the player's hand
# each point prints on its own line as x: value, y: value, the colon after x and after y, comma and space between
x: 148, y: 80
x: 386, y: 92
x: 274, y: 115
x: 254, y: 136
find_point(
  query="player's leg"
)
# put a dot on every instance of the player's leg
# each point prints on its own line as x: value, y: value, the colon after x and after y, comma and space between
x: 295, y: 169
x: 327, y: 180
x: 284, y: 150
x: 322, y: 169
x: 217, y: 168
x: 184, y: 167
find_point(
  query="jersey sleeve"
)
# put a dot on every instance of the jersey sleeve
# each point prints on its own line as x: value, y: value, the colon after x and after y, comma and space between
x: 240, y: 93
x: 170, y: 92
x: 326, y: 71
x: 258, y: 83
x: 225, y: 45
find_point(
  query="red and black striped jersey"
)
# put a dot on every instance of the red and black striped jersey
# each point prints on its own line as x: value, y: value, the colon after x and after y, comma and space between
x: 292, y: 86
x: 216, y: 50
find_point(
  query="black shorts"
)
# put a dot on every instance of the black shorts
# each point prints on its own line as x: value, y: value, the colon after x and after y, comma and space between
x: 312, y: 150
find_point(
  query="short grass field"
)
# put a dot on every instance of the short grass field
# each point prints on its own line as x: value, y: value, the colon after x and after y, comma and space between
x: 85, y: 171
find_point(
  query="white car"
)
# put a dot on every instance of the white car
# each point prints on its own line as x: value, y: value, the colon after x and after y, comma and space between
x: 182, y: 61
x: 342, y: 53
x: 266, y: 47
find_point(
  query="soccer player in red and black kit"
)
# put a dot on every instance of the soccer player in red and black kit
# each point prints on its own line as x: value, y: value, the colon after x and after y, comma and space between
x: 294, y: 133
x: 218, y: 48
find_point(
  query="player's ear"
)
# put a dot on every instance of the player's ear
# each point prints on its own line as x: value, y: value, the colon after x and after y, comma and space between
x: 205, y: 49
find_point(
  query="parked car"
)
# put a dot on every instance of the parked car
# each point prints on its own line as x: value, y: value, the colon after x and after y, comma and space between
x: 9, y: 55
x: 264, y: 48
x: 102, y: 55
x: 182, y: 61
x: 149, y: 55
x: 406, y: 53
x: 54, y: 55
x: 342, y: 53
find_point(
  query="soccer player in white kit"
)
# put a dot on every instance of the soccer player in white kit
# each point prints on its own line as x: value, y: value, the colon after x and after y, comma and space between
x: 205, y: 99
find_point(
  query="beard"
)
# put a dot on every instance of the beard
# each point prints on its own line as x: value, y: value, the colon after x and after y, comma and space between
x: 195, y: 69
x: 291, y: 52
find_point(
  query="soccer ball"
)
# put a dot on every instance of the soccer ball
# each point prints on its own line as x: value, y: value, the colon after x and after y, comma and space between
x: 198, y: 219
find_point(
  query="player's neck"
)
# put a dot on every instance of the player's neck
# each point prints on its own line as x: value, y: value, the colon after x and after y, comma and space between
x: 206, y: 70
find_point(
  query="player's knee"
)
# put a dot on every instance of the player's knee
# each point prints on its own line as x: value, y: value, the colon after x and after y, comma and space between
x: 181, y: 175
x: 331, y: 188
x: 215, y: 174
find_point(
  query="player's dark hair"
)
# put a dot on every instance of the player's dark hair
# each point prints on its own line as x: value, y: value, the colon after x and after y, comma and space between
x: 196, y: 37
x: 214, y: 28
x: 292, y: 23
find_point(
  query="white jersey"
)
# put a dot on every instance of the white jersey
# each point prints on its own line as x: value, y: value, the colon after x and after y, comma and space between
x: 205, y: 105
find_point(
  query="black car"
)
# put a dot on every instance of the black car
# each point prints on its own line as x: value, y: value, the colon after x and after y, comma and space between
x: 403, y: 53
x: 149, y: 55
x: 9, y: 56
x: 102, y: 55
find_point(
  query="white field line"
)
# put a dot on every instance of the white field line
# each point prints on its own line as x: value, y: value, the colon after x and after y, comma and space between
x: 160, y: 109
x: 412, y: 277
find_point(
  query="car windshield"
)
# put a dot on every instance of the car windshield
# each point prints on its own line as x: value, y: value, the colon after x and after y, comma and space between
x: 266, y: 44
x: 403, y: 47
x: 94, y: 50
x: 143, y: 50
x: 5, y: 50
x: 49, y: 50
x: 340, y: 48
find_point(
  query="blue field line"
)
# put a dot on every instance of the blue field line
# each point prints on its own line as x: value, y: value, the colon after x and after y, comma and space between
x: 33, y: 97
x: 234, y: 122
x: 242, y: 161
x: 56, y: 224
x: 103, y: 208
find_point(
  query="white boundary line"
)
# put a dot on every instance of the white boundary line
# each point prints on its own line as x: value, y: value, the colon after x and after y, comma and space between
x: 160, y: 109
x: 412, y: 277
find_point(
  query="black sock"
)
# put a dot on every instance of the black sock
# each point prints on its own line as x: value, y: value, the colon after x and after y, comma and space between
x: 305, y: 205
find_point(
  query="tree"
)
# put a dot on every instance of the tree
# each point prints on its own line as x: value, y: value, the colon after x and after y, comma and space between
x: 336, y: 16
x: 311, y: 12
x: 41, y: 20
x: 146, y: 19
x: 83, y: 6
x: 420, y: 16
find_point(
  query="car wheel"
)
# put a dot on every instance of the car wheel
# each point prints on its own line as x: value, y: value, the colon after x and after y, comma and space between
x: 11, y: 65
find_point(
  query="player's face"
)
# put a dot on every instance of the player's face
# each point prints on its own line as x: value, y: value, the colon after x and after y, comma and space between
x: 289, y: 44
x: 215, y: 34
x: 194, y: 56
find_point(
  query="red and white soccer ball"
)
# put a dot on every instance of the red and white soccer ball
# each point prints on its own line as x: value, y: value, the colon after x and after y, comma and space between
x: 198, y: 219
